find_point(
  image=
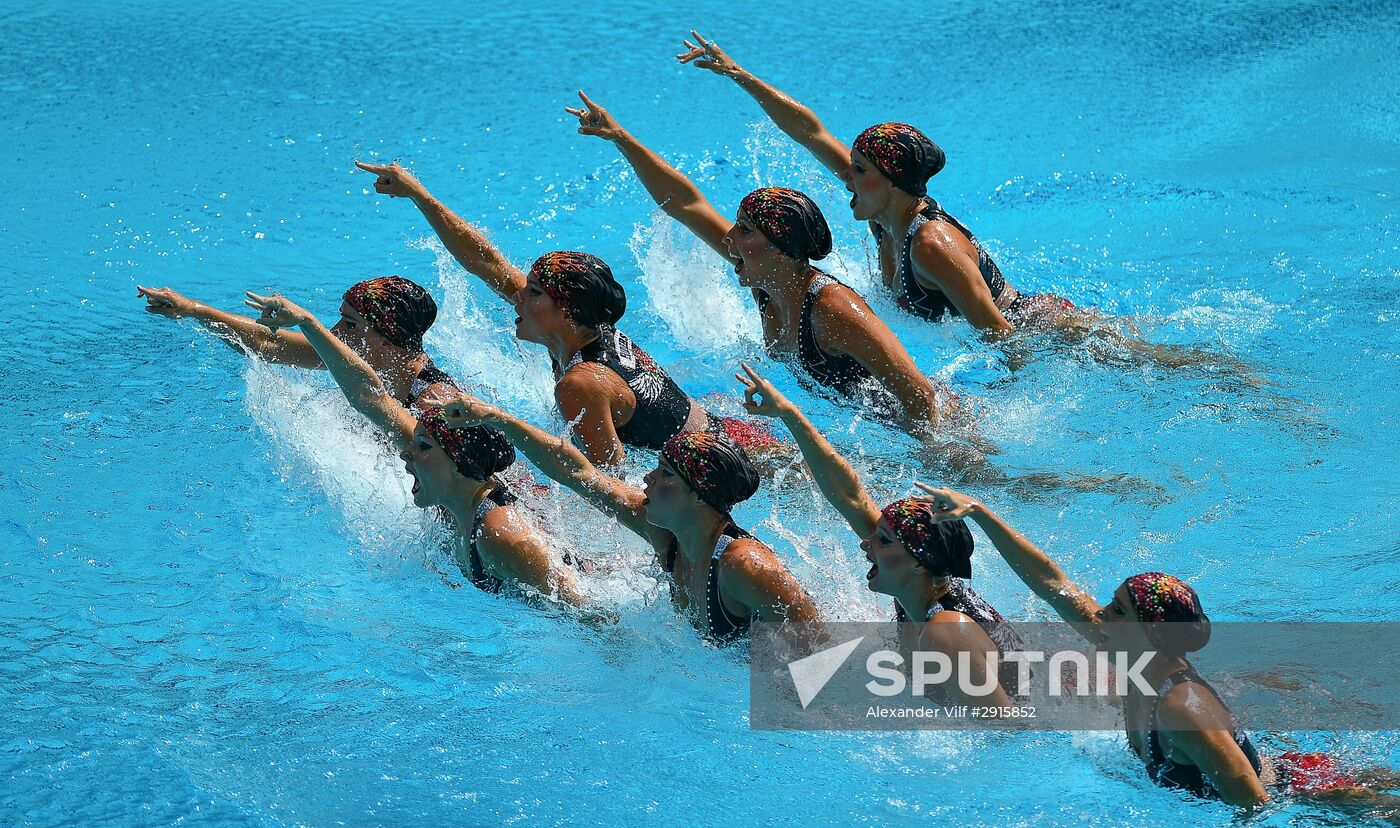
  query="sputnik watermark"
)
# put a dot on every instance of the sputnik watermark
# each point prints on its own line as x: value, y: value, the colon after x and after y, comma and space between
x: 886, y: 676
x: 1066, y: 669
x: 929, y: 671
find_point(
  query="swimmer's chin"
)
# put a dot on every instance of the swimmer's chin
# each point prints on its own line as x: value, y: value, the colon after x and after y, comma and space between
x: 855, y: 209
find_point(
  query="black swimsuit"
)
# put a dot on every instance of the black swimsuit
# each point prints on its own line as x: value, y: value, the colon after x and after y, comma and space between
x: 495, y: 499
x: 934, y: 304
x: 841, y: 373
x: 722, y: 627
x: 961, y: 598
x: 1169, y: 774
x: 662, y: 407
x: 430, y: 375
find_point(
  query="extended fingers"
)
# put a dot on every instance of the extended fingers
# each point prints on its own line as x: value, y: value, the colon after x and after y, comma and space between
x: 588, y: 102
x: 439, y: 397
x: 946, y: 500
x: 692, y: 52
x: 374, y: 168
x: 753, y: 375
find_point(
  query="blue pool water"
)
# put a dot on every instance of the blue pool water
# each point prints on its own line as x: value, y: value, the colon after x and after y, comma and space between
x: 219, y: 606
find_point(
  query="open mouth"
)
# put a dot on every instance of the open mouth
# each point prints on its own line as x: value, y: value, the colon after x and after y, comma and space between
x: 417, y: 484
x: 874, y: 568
x: 854, y: 198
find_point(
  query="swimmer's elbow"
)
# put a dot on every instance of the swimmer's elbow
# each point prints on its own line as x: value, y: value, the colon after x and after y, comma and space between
x: 370, y: 397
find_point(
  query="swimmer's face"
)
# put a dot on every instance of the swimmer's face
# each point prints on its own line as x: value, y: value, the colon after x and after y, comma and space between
x: 870, y: 189
x: 750, y: 251
x: 1118, y: 627
x: 357, y: 333
x: 669, y: 499
x: 892, y: 565
x: 537, y: 314
x: 435, y: 476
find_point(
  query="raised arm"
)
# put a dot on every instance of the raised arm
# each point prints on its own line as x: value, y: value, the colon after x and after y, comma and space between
x: 838, y: 482
x: 357, y: 380
x: 845, y: 324
x: 1031, y: 565
x: 673, y: 192
x: 467, y: 244
x: 553, y: 455
x: 242, y: 333
x: 800, y: 123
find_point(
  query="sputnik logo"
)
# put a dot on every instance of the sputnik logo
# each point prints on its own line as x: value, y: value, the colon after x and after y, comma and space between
x: 810, y: 674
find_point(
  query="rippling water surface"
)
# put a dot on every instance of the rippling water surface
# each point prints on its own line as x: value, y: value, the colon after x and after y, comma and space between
x: 219, y: 605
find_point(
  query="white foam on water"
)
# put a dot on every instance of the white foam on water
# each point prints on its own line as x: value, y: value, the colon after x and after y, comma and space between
x: 691, y: 291
x: 476, y: 344
x: 317, y: 437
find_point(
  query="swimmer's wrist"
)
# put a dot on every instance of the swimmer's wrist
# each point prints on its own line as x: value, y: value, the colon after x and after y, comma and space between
x: 981, y: 515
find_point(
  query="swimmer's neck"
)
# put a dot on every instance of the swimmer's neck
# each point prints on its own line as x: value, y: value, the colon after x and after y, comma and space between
x: 397, y: 369
x: 917, y: 598
x: 899, y: 213
x: 696, y: 540
x: 462, y: 505
x: 564, y: 344
x: 786, y: 285
x: 1156, y: 671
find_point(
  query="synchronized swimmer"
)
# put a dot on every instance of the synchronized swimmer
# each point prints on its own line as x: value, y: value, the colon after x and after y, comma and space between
x: 458, y: 450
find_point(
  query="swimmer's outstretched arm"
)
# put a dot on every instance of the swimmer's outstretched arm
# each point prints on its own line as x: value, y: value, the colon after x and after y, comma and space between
x: 673, y: 192
x: 1031, y: 565
x: 556, y: 456
x: 467, y: 244
x: 838, y: 482
x: 800, y: 123
x: 357, y: 380
x: 241, y: 333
